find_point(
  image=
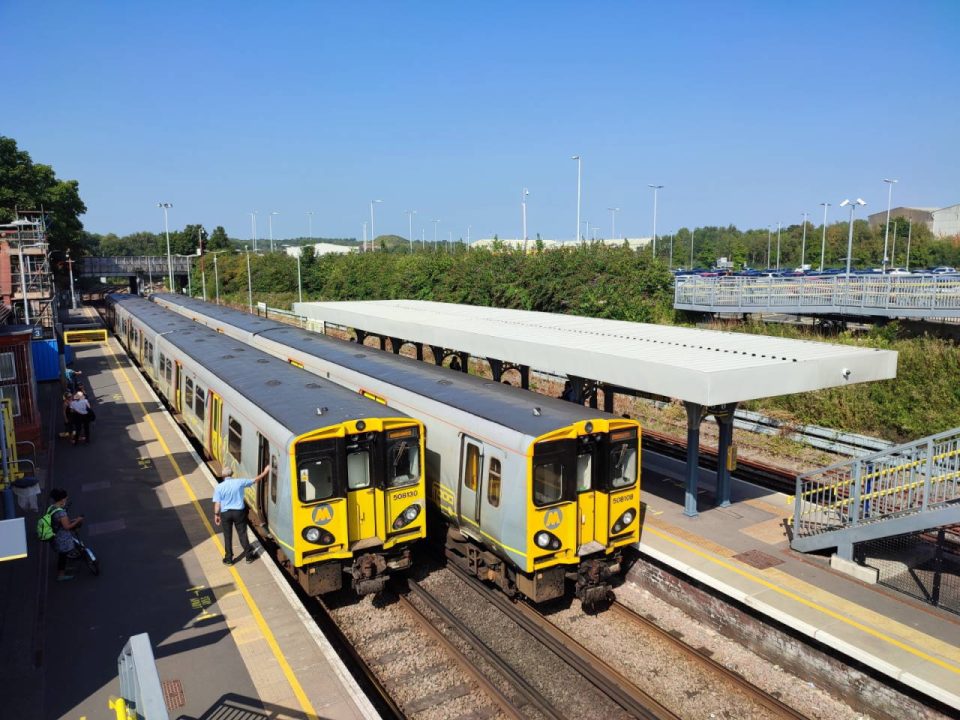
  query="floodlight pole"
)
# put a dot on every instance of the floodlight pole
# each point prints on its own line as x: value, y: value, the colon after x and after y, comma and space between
x: 823, y: 239
x: 656, y: 189
x: 803, y: 245
x: 166, y: 228
x: 249, y: 282
x: 886, y: 230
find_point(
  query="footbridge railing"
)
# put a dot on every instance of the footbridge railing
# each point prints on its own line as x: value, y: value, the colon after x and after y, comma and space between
x: 883, y: 295
x: 904, y: 489
x: 143, y: 265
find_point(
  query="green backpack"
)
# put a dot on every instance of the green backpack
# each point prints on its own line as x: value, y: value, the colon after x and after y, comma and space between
x: 45, y: 529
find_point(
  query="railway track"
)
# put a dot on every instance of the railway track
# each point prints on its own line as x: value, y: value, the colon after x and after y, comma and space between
x: 727, y: 675
x: 761, y: 474
x: 606, y: 679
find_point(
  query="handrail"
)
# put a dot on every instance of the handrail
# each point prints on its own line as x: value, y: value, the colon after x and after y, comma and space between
x: 909, y: 479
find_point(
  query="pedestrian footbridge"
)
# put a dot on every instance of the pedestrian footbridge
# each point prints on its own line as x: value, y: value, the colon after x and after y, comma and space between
x: 908, y: 296
x: 134, y: 265
x: 909, y: 488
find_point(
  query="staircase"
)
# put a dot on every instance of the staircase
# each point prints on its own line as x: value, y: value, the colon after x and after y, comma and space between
x: 903, y: 489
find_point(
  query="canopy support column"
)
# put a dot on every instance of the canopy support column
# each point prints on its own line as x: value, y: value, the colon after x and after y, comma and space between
x: 695, y: 414
x: 724, y: 417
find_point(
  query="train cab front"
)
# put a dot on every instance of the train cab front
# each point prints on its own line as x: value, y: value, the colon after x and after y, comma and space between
x: 608, y: 504
x: 360, y: 503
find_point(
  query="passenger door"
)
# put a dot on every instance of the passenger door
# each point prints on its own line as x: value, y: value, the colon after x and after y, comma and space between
x: 216, y: 416
x: 361, y: 497
x: 471, y: 463
x: 586, y: 498
x: 265, y: 488
x: 177, y: 392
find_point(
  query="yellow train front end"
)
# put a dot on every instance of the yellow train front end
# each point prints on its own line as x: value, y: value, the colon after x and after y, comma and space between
x: 601, y: 459
x: 358, y: 503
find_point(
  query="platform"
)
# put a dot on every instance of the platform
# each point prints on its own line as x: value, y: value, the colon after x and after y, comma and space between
x: 229, y: 641
x: 742, y: 552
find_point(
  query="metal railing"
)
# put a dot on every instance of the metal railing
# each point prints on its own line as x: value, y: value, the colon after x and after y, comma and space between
x: 907, y: 481
x: 133, y: 265
x: 906, y: 295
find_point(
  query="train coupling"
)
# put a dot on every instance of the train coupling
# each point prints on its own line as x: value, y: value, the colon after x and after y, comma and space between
x: 369, y: 574
x: 593, y: 583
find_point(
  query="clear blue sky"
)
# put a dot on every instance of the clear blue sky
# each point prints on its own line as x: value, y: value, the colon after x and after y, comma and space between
x: 748, y: 112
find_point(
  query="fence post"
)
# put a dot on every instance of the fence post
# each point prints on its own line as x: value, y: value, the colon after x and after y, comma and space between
x: 855, y: 504
x: 927, y: 481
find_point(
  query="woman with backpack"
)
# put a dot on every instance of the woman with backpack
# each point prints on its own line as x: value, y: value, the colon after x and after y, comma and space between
x: 63, y: 526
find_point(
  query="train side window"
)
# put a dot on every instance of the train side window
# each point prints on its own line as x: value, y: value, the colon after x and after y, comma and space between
x: 472, y: 470
x: 161, y: 365
x: 273, y: 478
x: 198, y: 406
x: 149, y: 353
x: 493, y: 483
x: 188, y: 392
x: 234, y: 438
x: 547, y: 482
x: 168, y: 370
x: 8, y: 371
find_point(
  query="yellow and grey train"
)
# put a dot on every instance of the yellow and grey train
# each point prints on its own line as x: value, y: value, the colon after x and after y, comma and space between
x: 534, y: 491
x: 345, y: 494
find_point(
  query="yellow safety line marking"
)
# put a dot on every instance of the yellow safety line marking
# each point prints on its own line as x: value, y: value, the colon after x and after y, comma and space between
x: 302, y: 698
x: 810, y: 604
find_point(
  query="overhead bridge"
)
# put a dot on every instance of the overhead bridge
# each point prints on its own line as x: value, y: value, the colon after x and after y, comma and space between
x: 906, y: 296
x: 909, y: 488
x: 133, y: 265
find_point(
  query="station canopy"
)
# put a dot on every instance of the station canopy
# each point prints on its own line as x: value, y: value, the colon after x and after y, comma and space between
x: 702, y: 366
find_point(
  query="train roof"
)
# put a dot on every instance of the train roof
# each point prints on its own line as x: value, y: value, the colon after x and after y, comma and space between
x: 520, y: 410
x: 288, y: 394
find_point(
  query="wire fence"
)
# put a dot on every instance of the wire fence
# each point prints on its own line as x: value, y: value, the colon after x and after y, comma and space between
x: 923, y: 565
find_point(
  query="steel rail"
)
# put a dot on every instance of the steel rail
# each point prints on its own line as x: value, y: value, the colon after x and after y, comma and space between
x: 761, y: 696
x: 531, y: 695
x: 602, y: 676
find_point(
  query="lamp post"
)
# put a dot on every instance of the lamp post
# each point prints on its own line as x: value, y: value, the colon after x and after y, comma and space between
x: 373, y: 235
x: 823, y: 239
x: 253, y: 228
x: 613, y: 222
x: 201, y: 233
x: 270, y: 216
x: 656, y: 189
x: 769, y: 233
x: 803, y: 244
x: 299, y: 281
x: 692, y: 231
x: 309, y: 225
x: 410, y: 214
x: 576, y: 236
x: 779, y: 227
x: 853, y: 206
x: 909, y: 235
x: 166, y: 229
x: 893, y: 246
x: 249, y: 282
x: 436, y: 224
x: 523, y: 207
x: 73, y: 295
x: 886, y: 231
x: 216, y: 275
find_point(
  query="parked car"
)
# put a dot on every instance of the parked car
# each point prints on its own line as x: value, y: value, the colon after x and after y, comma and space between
x: 943, y: 270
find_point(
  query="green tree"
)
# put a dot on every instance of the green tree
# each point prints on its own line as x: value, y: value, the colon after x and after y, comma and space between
x: 218, y: 239
x: 26, y: 185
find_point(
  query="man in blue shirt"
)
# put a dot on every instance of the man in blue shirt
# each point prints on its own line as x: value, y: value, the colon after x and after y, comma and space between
x: 230, y: 510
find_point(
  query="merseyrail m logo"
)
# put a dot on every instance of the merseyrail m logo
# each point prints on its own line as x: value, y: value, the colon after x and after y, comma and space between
x: 322, y: 514
x: 553, y: 518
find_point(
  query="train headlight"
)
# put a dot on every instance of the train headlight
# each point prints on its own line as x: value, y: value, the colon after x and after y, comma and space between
x: 317, y: 536
x: 623, y: 522
x: 546, y: 541
x: 407, y: 516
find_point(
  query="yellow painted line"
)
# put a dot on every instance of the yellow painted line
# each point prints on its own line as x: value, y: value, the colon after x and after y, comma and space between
x: 302, y: 698
x: 810, y: 604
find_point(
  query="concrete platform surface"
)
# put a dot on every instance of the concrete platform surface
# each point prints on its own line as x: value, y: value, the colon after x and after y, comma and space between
x: 229, y: 641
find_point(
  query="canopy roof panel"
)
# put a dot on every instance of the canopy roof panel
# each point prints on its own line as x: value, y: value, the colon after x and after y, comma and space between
x: 703, y: 366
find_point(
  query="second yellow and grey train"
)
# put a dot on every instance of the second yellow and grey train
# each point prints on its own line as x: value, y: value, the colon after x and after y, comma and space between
x: 345, y: 495
x: 534, y: 491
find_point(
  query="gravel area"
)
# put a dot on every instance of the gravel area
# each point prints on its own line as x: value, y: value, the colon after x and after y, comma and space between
x: 565, y: 690
x: 417, y: 672
x: 789, y: 689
